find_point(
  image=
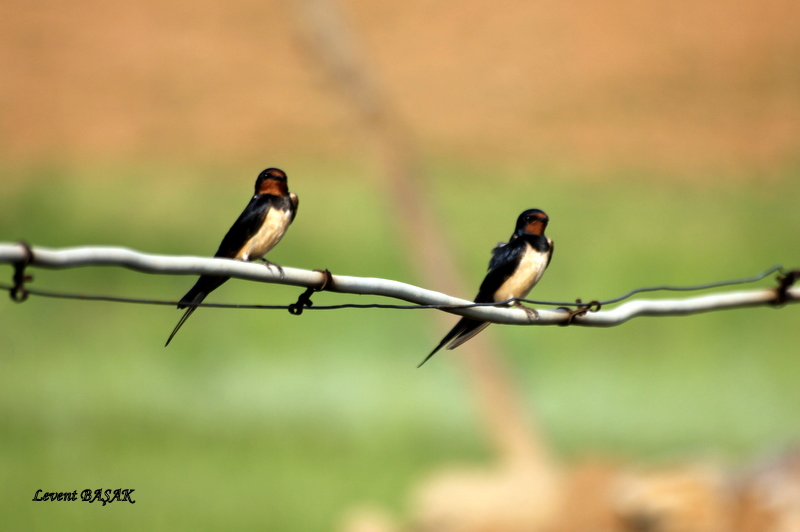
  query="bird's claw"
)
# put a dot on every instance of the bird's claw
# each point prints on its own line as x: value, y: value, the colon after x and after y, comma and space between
x: 269, y: 264
x: 533, y: 314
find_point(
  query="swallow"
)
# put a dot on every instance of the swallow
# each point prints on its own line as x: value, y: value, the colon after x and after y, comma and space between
x: 514, y: 269
x: 258, y: 229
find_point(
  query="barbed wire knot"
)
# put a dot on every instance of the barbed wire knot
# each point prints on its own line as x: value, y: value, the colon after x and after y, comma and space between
x: 583, y: 308
x: 18, y: 292
x: 304, y: 300
x: 784, y: 283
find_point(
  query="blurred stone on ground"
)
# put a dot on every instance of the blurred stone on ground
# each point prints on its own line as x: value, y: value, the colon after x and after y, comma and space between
x: 603, y: 496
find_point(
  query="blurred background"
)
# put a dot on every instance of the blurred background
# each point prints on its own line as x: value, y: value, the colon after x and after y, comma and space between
x: 662, y: 138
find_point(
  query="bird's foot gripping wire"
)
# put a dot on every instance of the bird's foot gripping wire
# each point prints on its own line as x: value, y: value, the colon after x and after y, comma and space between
x: 270, y: 265
x: 305, y: 298
x: 583, y: 308
x: 18, y: 292
x: 533, y: 314
x: 784, y: 283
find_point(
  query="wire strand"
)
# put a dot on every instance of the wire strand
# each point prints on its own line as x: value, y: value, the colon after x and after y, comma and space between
x: 140, y: 301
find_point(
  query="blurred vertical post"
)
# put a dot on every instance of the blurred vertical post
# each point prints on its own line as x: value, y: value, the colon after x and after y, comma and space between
x: 334, y: 45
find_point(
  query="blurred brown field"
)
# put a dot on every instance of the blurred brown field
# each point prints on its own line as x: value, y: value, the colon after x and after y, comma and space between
x: 683, y: 87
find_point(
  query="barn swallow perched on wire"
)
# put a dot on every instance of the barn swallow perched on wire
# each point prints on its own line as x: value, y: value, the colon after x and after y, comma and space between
x: 514, y: 270
x: 258, y: 229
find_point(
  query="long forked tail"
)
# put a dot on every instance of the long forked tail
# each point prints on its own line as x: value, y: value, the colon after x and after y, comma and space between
x: 185, y: 317
x: 464, y: 330
x: 195, y: 296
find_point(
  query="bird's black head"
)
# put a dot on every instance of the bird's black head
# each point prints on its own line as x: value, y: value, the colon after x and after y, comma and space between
x: 532, y: 222
x: 272, y: 181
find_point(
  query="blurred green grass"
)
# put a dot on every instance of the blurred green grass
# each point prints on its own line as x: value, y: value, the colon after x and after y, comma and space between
x: 254, y: 420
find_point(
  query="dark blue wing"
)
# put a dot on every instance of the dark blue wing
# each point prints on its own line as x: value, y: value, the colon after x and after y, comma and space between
x: 504, y: 261
x: 243, y: 229
x: 237, y: 236
x: 505, y: 258
x: 246, y: 226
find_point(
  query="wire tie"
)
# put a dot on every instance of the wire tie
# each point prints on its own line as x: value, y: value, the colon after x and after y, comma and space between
x: 18, y: 292
x: 784, y: 283
x: 583, y: 308
x: 304, y: 300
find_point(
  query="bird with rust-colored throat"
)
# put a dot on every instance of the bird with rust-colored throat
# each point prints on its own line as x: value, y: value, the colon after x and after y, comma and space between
x: 514, y: 270
x: 258, y: 229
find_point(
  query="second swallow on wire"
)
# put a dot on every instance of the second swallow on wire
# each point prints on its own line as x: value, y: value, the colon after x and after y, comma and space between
x: 514, y: 270
x: 258, y: 229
